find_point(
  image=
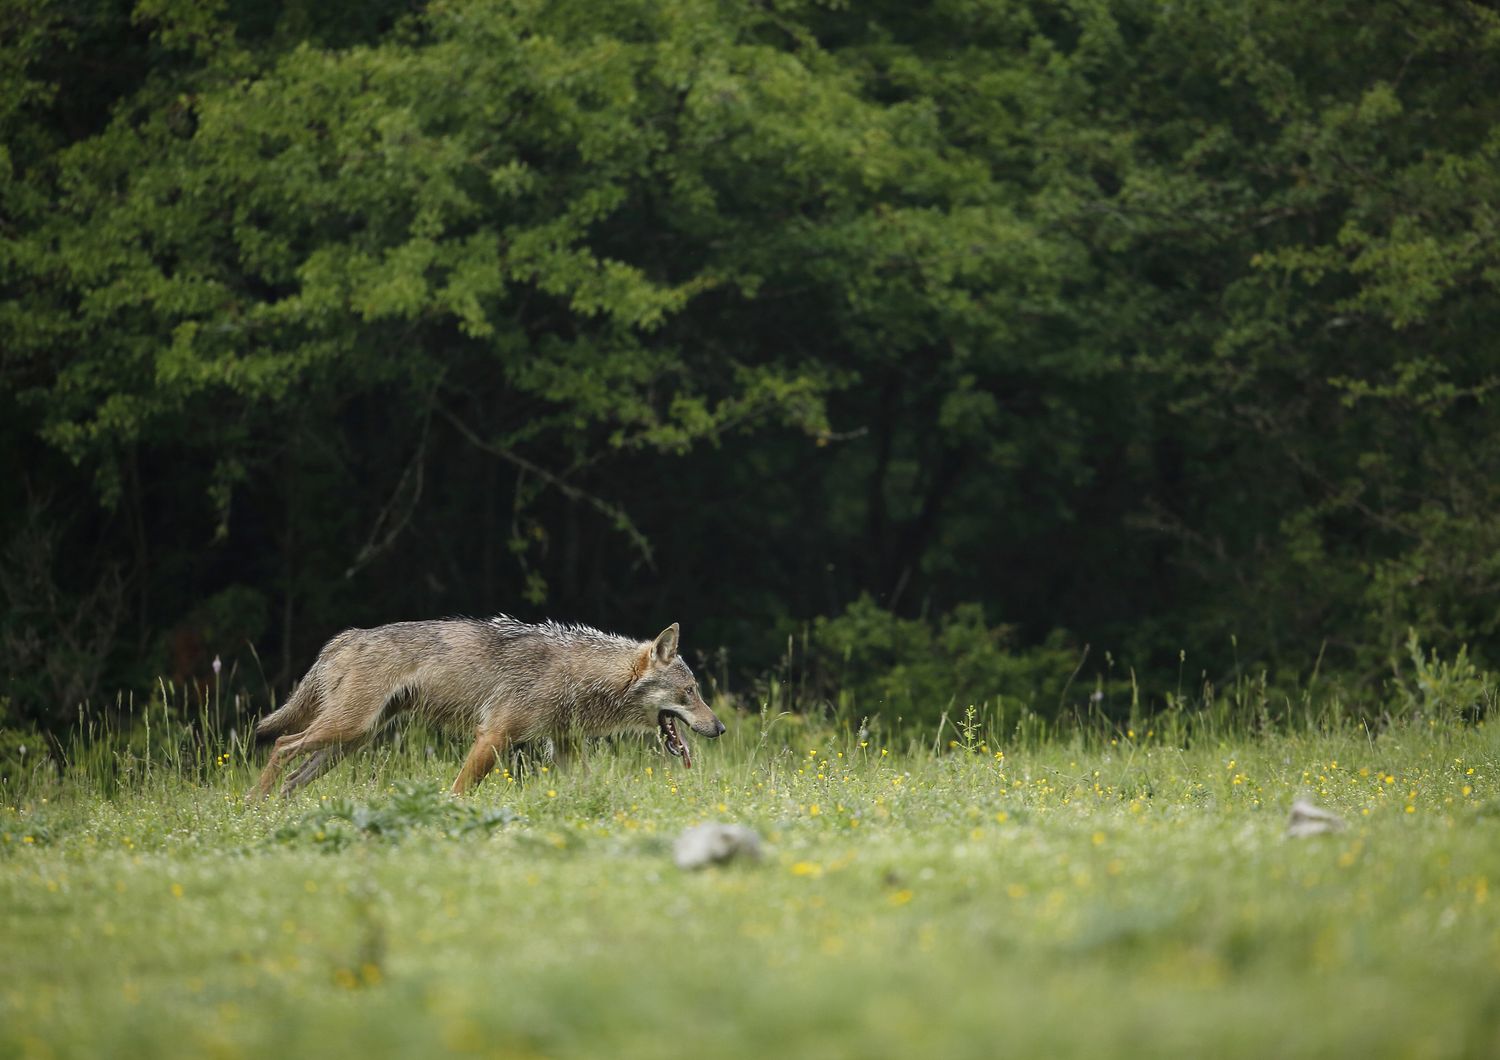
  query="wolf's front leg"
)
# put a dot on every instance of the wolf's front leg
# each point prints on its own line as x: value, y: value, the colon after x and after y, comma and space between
x: 489, y: 746
x: 567, y: 752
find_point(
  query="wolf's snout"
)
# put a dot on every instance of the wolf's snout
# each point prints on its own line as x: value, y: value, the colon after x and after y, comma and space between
x: 718, y: 728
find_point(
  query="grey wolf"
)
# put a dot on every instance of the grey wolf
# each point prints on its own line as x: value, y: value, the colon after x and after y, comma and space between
x: 503, y: 681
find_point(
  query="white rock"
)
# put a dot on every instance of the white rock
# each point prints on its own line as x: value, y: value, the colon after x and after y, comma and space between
x: 1307, y: 819
x: 713, y: 844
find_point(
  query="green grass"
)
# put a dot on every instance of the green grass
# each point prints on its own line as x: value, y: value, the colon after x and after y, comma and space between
x: 1097, y: 895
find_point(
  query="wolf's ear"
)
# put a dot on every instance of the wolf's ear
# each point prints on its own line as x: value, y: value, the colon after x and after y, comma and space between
x: 665, y: 648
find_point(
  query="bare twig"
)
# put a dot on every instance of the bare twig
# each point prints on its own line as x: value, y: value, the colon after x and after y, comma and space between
x: 616, y: 514
x: 387, y: 526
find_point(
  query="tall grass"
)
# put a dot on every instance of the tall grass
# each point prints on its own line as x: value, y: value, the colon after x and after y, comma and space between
x: 193, y: 734
x: 1108, y: 882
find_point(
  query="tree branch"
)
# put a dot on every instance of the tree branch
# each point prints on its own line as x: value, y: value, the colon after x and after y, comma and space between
x: 616, y: 514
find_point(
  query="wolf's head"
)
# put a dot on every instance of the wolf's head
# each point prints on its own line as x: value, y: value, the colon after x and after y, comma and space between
x: 667, y: 692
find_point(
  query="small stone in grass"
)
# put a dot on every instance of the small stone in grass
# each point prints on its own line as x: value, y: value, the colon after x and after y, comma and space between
x: 714, y: 844
x: 1307, y: 819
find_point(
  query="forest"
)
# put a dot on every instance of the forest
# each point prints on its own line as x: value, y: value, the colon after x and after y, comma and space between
x: 908, y: 355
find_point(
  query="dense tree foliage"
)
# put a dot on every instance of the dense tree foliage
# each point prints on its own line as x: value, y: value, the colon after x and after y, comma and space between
x: 1136, y: 324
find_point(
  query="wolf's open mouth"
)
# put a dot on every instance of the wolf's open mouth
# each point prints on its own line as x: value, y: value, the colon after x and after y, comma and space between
x: 667, y: 723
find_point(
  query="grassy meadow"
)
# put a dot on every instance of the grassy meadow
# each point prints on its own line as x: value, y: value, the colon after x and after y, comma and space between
x: 966, y: 893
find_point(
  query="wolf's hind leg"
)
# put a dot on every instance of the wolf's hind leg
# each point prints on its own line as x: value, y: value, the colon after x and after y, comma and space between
x: 319, y: 763
x: 286, y: 748
x: 334, y: 729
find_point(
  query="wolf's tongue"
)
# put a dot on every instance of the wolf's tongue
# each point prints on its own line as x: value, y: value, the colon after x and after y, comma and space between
x: 687, y: 758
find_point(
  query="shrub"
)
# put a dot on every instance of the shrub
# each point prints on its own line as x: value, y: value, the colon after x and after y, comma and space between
x: 1438, y: 687
x: 869, y: 660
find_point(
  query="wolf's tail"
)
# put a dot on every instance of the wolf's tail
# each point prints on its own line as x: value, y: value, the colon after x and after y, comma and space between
x: 293, y: 715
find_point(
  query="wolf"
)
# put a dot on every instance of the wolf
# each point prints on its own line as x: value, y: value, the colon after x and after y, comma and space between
x: 501, y: 680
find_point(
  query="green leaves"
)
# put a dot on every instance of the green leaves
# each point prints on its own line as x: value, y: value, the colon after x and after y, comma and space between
x: 413, y: 810
x: 1182, y: 310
